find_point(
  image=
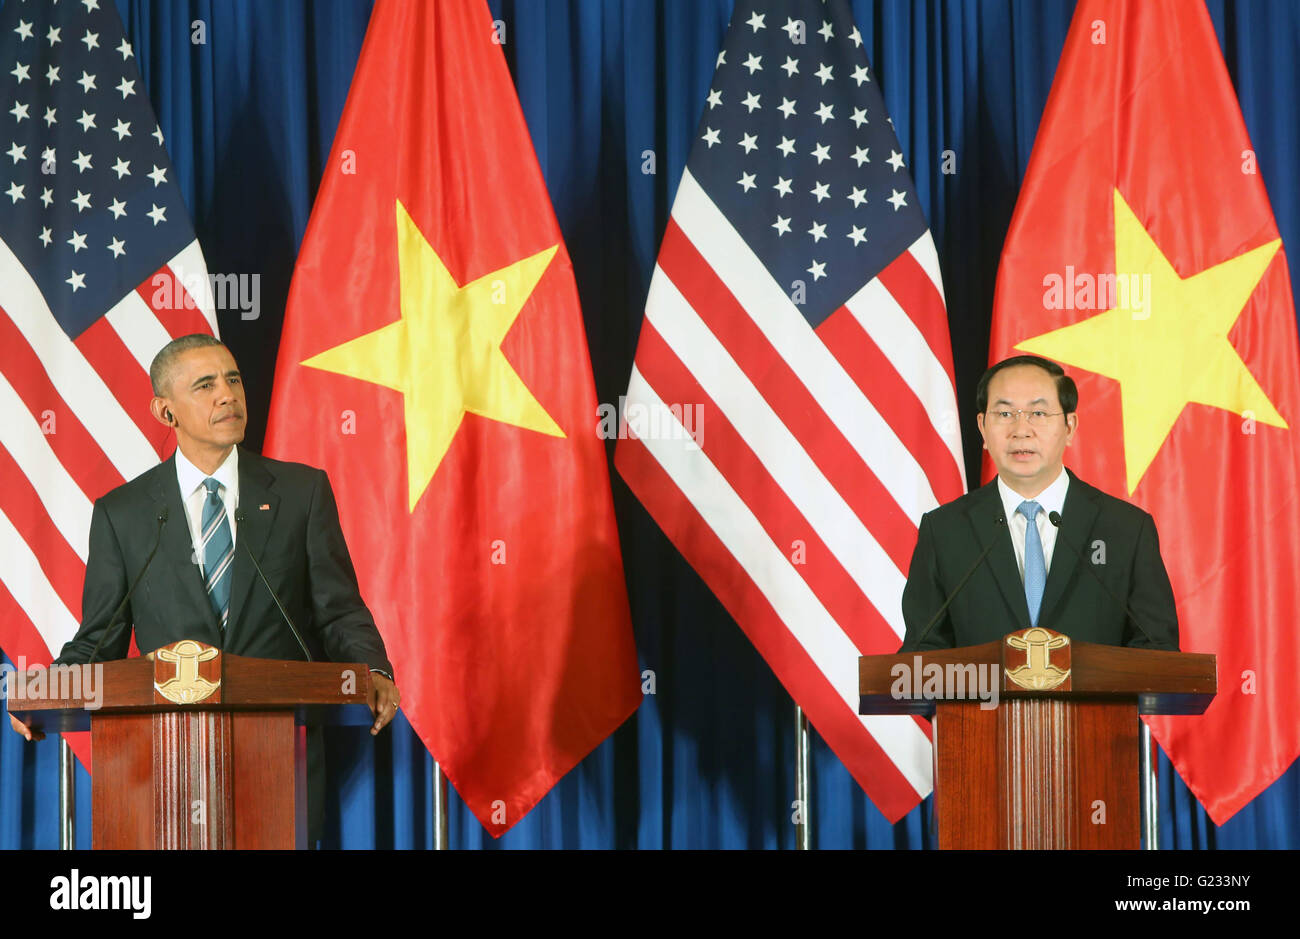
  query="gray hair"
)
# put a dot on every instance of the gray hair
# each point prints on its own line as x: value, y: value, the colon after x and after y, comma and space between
x: 160, y: 370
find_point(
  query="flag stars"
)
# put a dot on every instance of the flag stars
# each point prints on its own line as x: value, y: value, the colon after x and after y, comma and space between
x: 821, y: 191
x: 76, y: 281
x: 156, y: 213
x: 824, y: 73
x: 856, y: 37
x: 24, y: 30
x: 51, y: 117
x: 122, y: 167
x: 857, y: 197
x: 859, y: 117
x: 158, y: 135
x: 16, y: 153
x: 710, y: 137
x: 87, y: 121
x: 751, y: 102
x: 860, y: 156
x: 118, y: 208
x: 19, y: 111
x: 117, y: 246
x: 45, y: 237
x: 81, y: 200
x: 22, y: 72
x: 793, y: 27
x: 782, y: 186
x: 860, y: 75
x: 786, y: 146
x: 159, y: 176
x: 126, y: 87
x: 787, y: 107
x: 746, y: 181
x: 722, y: 59
x: 48, y: 156
x: 895, y: 160
x: 825, y: 112
x: 715, y: 98
x: 52, y: 74
x: 755, y: 21
x: 818, y: 270
x: 78, y: 242
x: 15, y: 192
x: 818, y: 231
x: 82, y: 161
x: 47, y: 196
x: 91, y: 40
x: 754, y: 63
x: 822, y: 152
x: 124, y: 48
x: 791, y: 67
x: 749, y: 142
x: 90, y: 5
x: 122, y: 129
x: 826, y: 32
x: 53, y: 36
x: 87, y: 82
x: 897, y: 199
x: 782, y: 226
x: 857, y: 235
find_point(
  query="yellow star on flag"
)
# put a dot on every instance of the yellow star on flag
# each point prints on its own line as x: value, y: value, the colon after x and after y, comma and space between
x: 1170, y: 351
x: 444, y: 354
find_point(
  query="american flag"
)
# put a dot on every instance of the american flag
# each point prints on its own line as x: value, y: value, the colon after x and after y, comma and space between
x: 796, y: 314
x: 99, y: 268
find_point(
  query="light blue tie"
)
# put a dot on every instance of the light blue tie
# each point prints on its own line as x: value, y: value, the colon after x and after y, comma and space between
x: 1035, y: 564
x: 218, y: 552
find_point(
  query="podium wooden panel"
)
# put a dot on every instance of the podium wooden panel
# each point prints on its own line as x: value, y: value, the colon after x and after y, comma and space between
x: 1048, y: 767
x: 228, y: 771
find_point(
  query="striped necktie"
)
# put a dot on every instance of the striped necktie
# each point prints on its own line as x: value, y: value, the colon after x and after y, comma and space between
x: 218, y: 552
x: 1035, y: 563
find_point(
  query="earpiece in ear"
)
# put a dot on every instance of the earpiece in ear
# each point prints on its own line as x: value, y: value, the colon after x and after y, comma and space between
x: 168, y: 414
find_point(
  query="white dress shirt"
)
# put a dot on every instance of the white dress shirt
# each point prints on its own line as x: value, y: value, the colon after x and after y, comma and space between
x: 193, y: 494
x: 1051, y: 499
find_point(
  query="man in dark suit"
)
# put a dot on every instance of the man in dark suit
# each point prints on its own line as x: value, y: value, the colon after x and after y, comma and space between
x: 208, y: 508
x: 1035, y: 573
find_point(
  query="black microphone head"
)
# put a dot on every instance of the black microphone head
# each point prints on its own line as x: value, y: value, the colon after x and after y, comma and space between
x: 1000, y: 520
x: 239, y: 515
x: 162, y: 514
x: 1054, y: 518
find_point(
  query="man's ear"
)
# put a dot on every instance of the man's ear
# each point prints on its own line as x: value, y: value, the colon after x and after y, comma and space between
x: 979, y: 419
x: 161, y: 411
x: 1072, y: 422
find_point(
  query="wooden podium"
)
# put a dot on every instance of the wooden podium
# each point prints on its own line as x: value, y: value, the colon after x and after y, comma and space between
x: 1055, y: 763
x: 194, y: 748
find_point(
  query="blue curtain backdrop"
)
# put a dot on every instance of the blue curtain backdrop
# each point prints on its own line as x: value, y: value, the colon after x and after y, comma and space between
x: 707, y: 761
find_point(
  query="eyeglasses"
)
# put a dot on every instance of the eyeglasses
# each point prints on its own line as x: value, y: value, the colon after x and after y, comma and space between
x: 1035, y: 418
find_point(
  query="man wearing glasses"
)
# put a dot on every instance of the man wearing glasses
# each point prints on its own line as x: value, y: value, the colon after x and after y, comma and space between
x: 1037, y: 546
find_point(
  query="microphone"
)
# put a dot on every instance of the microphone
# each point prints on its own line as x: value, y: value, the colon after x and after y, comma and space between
x: 162, y: 520
x: 999, y: 522
x: 1055, y: 519
x: 239, y: 517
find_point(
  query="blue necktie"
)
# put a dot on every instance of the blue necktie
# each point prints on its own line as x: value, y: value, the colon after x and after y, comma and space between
x: 1035, y: 564
x: 218, y: 552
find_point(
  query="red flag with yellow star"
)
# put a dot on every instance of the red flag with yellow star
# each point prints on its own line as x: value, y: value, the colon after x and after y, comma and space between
x: 1143, y: 256
x: 433, y: 361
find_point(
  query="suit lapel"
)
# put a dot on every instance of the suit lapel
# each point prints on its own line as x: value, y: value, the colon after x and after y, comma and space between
x: 176, y: 551
x: 984, y: 517
x: 1080, y: 511
x: 260, y: 506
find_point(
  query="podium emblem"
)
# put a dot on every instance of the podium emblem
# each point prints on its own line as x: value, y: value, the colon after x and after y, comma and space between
x: 1038, y: 673
x: 186, y: 686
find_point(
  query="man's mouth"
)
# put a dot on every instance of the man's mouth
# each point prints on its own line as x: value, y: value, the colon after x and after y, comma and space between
x: 1022, y: 454
x: 228, y: 417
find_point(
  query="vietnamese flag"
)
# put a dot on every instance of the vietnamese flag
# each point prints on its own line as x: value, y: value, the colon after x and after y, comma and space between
x: 1143, y: 256
x: 433, y: 361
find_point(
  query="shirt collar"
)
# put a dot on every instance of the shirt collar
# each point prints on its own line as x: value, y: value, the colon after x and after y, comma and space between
x: 1052, y: 499
x: 191, y: 477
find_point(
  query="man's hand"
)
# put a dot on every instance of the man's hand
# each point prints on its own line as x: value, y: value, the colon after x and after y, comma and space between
x: 384, y: 699
x: 21, y: 728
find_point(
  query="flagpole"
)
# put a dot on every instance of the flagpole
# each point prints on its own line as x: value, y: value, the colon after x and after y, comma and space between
x: 439, y: 808
x: 1150, y: 798
x: 802, y: 788
x: 67, y: 797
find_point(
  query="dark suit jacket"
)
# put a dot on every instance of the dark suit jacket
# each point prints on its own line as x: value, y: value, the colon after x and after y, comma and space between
x: 992, y: 603
x: 296, y: 539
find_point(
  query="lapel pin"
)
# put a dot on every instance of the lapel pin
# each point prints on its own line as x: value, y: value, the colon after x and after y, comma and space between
x: 264, y: 507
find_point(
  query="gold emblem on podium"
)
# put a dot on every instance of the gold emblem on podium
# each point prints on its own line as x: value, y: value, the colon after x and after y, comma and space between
x: 186, y: 686
x: 1038, y: 673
